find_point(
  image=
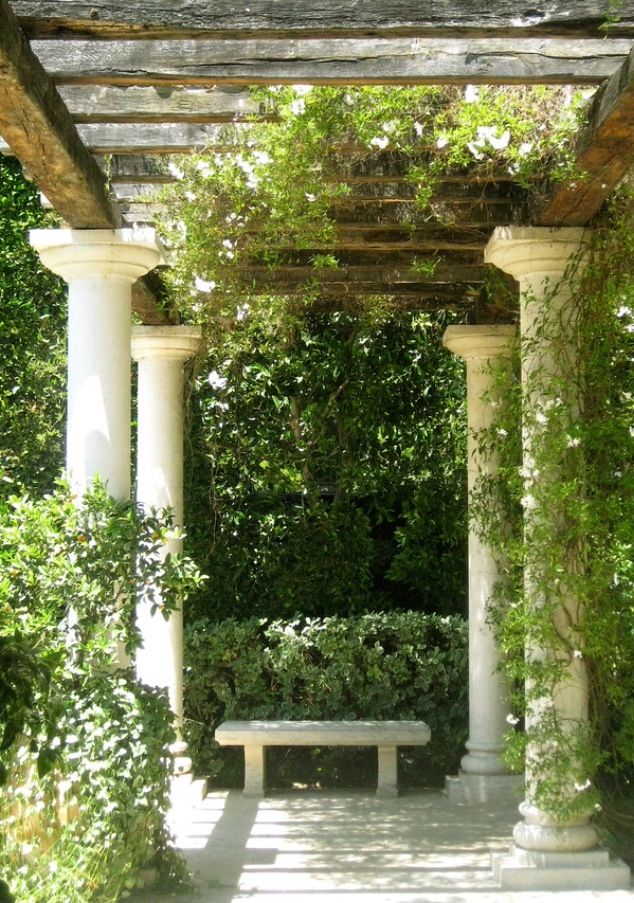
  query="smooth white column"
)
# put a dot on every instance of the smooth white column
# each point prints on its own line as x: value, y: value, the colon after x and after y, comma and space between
x: 481, y: 347
x: 100, y: 267
x: 161, y: 352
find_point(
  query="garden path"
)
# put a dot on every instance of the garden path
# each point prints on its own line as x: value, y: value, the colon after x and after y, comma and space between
x: 349, y: 847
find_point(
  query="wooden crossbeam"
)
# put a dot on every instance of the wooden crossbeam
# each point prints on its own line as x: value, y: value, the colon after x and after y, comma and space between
x: 148, y: 137
x: 605, y: 153
x: 224, y: 18
x: 40, y: 132
x: 206, y: 62
x: 167, y: 103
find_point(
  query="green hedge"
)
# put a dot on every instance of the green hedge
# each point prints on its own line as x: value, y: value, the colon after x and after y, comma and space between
x: 396, y: 665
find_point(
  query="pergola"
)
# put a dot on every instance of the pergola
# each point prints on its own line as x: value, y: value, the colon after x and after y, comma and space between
x: 85, y: 81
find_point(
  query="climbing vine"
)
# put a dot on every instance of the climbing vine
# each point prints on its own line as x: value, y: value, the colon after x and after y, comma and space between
x: 561, y: 517
x: 275, y: 184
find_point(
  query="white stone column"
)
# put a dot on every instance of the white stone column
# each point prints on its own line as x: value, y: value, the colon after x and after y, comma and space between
x: 161, y: 352
x: 100, y: 267
x: 548, y: 853
x: 483, y: 774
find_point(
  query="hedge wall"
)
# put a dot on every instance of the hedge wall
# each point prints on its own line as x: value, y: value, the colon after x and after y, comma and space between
x: 393, y: 665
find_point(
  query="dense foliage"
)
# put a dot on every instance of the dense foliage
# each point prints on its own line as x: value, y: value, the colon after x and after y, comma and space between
x: 336, y: 466
x: 84, y: 747
x: 333, y: 441
x: 385, y: 665
x: 32, y: 344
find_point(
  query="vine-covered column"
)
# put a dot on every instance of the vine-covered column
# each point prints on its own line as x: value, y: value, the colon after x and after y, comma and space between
x: 161, y: 352
x: 483, y: 772
x: 100, y: 267
x: 555, y: 842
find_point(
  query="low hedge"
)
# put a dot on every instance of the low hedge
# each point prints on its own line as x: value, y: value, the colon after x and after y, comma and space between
x: 396, y: 665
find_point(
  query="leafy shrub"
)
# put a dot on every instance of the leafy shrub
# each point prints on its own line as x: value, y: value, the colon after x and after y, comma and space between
x: 32, y: 344
x: 398, y: 665
x: 84, y: 748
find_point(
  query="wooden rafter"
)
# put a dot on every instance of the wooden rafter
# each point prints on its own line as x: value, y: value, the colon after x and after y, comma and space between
x: 329, y: 18
x: 39, y: 130
x: 605, y: 153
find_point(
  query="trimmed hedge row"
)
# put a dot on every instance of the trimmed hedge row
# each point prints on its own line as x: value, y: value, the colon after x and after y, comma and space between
x: 391, y: 665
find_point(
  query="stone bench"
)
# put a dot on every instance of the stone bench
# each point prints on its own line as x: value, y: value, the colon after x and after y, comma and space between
x: 387, y: 736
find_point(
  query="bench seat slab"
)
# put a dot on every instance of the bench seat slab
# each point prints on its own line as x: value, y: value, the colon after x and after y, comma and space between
x: 387, y: 736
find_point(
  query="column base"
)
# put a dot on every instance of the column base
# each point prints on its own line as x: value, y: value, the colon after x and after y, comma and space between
x: 181, y: 763
x: 186, y: 791
x: 533, y: 870
x: 469, y: 788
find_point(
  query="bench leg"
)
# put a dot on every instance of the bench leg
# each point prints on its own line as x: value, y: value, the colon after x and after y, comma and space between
x: 387, y: 785
x: 254, y: 771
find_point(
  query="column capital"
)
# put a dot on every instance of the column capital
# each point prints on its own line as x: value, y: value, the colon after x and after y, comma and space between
x: 522, y: 250
x: 479, y: 341
x: 165, y: 342
x: 125, y: 253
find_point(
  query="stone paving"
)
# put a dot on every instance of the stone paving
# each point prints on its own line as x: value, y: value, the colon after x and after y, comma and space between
x: 349, y: 847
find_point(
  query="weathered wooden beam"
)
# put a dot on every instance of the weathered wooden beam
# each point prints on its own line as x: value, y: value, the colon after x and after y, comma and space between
x: 388, y: 166
x: 167, y: 103
x: 331, y: 62
x: 397, y: 192
x: 605, y: 153
x: 148, y: 137
x: 284, y: 277
x: 40, y: 132
x: 224, y: 18
x: 474, y: 214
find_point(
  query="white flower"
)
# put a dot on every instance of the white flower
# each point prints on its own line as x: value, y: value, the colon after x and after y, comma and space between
x: 390, y: 127
x: 489, y: 133
x: 501, y: 142
x: 227, y: 243
x: 418, y: 128
x: 471, y: 93
x: 442, y: 141
x: 310, y: 197
x: 502, y: 432
x: 541, y: 418
x: 202, y: 285
x: 581, y: 787
x: 190, y: 195
x: 573, y: 442
x: 624, y: 312
x: 204, y: 168
x: 577, y: 653
x: 473, y: 147
x: 525, y: 148
x: 528, y: 502
x: 262, y: 158
x: 511, y: 719
x: 242, y: 312
x: 379, y: 141
x: 298, y: 106
x: 216, y: 381
x: 175, y: 170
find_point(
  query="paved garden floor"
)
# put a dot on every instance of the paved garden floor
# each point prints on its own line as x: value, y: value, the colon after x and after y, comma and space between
x: 349, y: 847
